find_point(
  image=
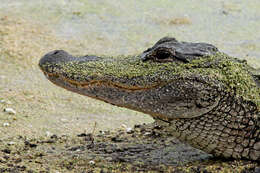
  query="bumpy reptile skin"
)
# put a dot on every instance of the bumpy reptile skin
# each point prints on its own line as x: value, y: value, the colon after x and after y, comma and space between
x: 230, y: 130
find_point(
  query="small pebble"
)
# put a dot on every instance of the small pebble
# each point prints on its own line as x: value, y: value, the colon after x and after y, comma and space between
x: 109, y: 159
x: 124, y: 126
x: 147, y: 133
x: 101, y: 132
x: 64, y: 120
x: 48, y: 134
x: 129, y: 130
x: 11, y: 143
x: 10, y: 111
x: 91, y: 162
x: 7, y: 102
x: 6, y: 124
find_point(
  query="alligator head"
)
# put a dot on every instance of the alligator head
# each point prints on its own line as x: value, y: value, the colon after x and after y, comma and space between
x: 208, y: 99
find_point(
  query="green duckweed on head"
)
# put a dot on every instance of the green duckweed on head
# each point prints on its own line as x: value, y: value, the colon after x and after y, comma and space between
x: 233, y: 73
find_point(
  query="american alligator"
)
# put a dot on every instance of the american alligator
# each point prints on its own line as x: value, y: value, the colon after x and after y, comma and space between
x: 199, y: 94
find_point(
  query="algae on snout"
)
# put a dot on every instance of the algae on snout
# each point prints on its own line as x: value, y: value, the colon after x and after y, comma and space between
x: 131, y: 70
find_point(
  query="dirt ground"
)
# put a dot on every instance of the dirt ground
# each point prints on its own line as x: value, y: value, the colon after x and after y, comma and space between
x: 53, y: 130
x: 143, y: 149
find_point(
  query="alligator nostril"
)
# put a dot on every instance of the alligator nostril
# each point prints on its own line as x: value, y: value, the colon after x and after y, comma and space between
x: 54, y: 57
x: 55, y: 52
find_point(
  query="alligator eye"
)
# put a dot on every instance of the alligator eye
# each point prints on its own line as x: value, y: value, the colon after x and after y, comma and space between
x: 163, y: 55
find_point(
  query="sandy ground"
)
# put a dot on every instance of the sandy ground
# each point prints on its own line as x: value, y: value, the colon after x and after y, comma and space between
x: 40, y: 106
x: 42, y: 134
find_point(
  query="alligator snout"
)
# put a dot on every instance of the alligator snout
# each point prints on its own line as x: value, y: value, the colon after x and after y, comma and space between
x: 54, y: 57
x: 58, y: 57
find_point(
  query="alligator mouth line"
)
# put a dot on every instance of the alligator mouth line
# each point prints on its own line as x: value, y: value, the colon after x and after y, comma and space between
x: 87, y: 85
x: 61, y: 80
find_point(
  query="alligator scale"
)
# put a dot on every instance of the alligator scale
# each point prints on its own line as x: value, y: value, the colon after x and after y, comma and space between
x: 202, y: 96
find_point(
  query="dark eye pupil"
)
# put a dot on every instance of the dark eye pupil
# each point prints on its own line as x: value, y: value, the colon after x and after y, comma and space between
x: 163, y: 54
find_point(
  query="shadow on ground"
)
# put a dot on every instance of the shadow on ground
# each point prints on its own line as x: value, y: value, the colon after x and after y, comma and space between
x: 145, y: 148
